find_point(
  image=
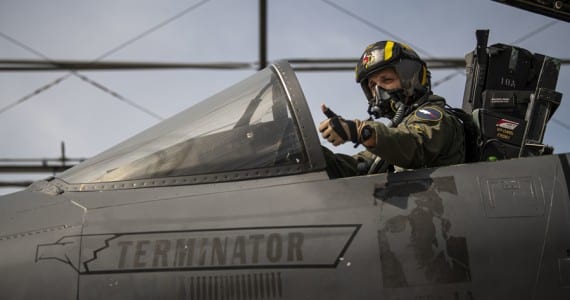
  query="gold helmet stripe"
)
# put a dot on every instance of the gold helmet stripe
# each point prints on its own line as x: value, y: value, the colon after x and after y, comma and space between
x: 388, y: 50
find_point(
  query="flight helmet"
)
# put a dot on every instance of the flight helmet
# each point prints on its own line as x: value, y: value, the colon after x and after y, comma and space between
x: 410, y: 68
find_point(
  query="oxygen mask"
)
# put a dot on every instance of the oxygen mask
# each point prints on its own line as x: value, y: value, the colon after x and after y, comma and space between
x: 385, y: 103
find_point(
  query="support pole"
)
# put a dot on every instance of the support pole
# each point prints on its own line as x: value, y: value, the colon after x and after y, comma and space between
x: 262, y: 34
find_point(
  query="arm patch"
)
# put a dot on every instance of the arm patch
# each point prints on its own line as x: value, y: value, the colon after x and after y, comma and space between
x: 429, y: 114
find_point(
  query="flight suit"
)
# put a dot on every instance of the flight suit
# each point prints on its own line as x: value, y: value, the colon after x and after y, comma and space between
x: 427, y: 137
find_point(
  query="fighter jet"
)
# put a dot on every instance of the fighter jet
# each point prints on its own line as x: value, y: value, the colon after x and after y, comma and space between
x: 230, y: 199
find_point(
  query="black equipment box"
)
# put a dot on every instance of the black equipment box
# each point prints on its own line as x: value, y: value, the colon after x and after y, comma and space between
x: 511, y: 95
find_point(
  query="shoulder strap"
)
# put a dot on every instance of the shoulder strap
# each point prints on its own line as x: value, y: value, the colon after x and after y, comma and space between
x: 472, y: 151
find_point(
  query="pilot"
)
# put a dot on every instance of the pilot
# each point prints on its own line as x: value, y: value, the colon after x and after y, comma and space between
x: 419, y: 132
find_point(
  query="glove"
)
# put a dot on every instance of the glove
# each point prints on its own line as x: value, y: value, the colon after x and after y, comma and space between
x: 338, y: 131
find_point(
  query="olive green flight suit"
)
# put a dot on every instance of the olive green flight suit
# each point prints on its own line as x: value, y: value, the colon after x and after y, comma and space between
x: 427, y: 137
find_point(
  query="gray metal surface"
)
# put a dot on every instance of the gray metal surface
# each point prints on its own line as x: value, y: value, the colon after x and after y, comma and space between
x: 491, y: 230
x: 483, y: 231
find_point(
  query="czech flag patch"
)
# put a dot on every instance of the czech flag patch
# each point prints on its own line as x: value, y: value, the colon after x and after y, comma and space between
x: 429, y: 114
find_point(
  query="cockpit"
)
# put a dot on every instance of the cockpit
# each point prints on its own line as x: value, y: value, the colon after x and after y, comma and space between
x: 260, y: 127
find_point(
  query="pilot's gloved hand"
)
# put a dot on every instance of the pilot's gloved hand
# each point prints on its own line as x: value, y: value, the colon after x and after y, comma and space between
x: 337, y: 130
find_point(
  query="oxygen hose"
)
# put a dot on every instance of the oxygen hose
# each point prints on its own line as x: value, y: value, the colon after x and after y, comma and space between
x: 398, y: 116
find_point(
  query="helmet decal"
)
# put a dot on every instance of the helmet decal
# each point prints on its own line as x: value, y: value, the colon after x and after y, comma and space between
x: 388, y: 50
x: 367, y: 59
x: 424, y: 76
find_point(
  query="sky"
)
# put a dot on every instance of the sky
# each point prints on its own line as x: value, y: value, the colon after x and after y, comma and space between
x: 90, y: 120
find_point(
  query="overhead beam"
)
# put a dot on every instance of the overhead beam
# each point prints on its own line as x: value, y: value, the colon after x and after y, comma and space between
x: 33, y: 169
x: 38, y: 165
x: 6, y: 184
x: 77, y: 65
x: 298, y: 64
